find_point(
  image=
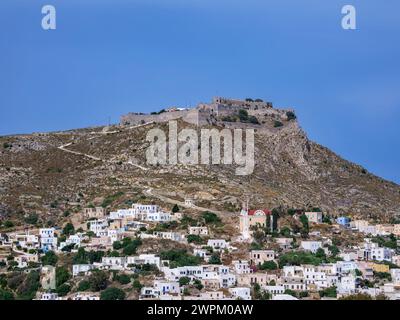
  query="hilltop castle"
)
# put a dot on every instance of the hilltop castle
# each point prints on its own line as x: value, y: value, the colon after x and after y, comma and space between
x: 219, y: 110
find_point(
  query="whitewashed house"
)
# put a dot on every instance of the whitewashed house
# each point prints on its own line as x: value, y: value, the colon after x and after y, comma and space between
x: 312, y: 246
x: 144, y: 259
x: 347, y: 285
x: 242, y: 293
x: 314, y: 217
x: 199, y: 231
x: 241, y: 266
x: 258, y: 257
x: 217, y: 244
x: 48, y: 240
x: 98, y: 227
x: 114, y: 263
x: 78, y: 269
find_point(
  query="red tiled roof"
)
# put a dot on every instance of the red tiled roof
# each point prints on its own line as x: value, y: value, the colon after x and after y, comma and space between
x: 262, y: 211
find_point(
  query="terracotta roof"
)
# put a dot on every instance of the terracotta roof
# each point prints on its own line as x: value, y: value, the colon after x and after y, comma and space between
x: 259, y: 211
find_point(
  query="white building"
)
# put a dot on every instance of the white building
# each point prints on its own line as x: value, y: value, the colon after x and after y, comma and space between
x: 98, y: 227
x: 199, y: 231
x: 166, y: 287
x: 114, y: 263
x: 315, y: 217
x: 312, y: 246
x: 78, y: 269
x: 381, y: 254
x: 258, y: 257
x: 48, y: 240
x: 347, y: 285
x: 242, y: 293
x: 395, y: 273
x: 144, y: 259
x: 217, y: 244
x: 241, y: 266
x: 49, y: 296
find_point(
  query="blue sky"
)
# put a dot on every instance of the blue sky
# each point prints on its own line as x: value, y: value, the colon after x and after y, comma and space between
x: 109, y: 57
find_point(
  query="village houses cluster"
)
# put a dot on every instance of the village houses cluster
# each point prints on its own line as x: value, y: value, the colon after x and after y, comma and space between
x: 261, y: 270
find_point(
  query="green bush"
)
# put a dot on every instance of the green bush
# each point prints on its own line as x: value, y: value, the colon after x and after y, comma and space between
x: 180, y: 258
x: 6, y: 295
x: 112, y: 294
x: 269, y: 265
x: 62, y: 275
x: 277, y: 124
x: 243, y: 115
x: 330, y: 292
x: 8, y: 224
x: 32, y: 218
x: 28, y: 288
x: 297, y: 258
x: 210, y: 217
x: 50, y: 258
x: 214, y: 259
x: 184, y: 281
x: 123, y: 278
x: 63, y: 290
x: 290, y: 115
x: 110, y: 199
x: 137, y: 285
x: 98, y: 280
x: 84, y: 285
x: 192, y: 238
x: 68, y: 229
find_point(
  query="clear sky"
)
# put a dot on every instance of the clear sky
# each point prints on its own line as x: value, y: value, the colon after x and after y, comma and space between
x: 110, y: 57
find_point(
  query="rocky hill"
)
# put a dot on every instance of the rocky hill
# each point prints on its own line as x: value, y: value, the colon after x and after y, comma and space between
x: 58, y: 173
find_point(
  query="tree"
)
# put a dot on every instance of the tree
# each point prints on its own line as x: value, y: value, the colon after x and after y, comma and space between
x: 62, y: 275
x: 68, y: 229
x: 123, y: 278
x: 50, y: 258
x: 193, y: 238
x: 243, y: 115
x: 330, y: 292
x: 175, y: 208
x: 197, y: 283
x: 254, y: 120
x: 358, y: 272
x: 112, y: 294
x: 304, y: 222
x: 214, y: 259
x: 8, y: 224
x: 290, y: 115
x: 98, y: 280
x: 180, y: 258
x: 269, y: 265
x: 84, y: 285
x: 277, y: 124
x: 290, y: 292
x: 63, y: 289
x: 29, y: 286
x: 275, y: 216
x: 210, y: 217
x: 6, y: 295
x: 137, y: 285
x: 334, y: 250
x: 184, y: 281
x: 320, y: 253
x: 32, y: 218
x: 285, y: 231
